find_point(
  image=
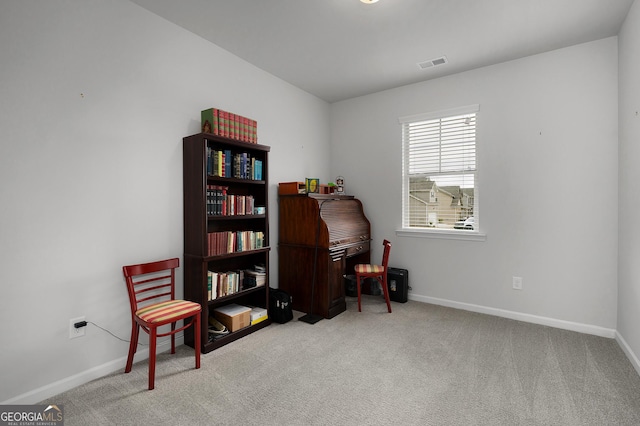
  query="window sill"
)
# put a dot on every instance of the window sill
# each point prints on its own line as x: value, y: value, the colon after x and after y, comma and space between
x: 441, y: 234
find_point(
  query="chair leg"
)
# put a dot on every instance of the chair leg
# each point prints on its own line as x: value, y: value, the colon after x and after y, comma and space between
x: 152, y: 357
x: 197, y: 333
x: 173, y: 338
x: 133, y: 345
x: 385, y: 290
x: 359, y: 292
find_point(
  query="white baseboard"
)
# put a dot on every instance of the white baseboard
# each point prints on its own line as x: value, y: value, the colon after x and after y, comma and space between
x: 63, y: 385
x: 628, y: 352
x: 534, y: 319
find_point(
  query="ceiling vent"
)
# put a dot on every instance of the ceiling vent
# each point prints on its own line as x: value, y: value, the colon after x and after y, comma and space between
x: 432, y: 63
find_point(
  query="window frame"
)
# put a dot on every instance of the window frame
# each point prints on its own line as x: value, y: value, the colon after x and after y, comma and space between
x: 427, y: 232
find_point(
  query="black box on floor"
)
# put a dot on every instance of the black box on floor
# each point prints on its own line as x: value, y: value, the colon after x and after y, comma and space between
x: 350, y: 286
x: 398, y: 283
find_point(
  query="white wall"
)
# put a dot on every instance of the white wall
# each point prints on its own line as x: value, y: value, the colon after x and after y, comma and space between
x: 548, y: 159
x: 95, y: 100
x: 629, y: 232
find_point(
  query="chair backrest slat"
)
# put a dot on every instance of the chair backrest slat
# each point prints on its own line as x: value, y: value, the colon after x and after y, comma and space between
x: 155, y: 297
x: 150, y: 280
x: 149, y: 283
x: 142, y: 291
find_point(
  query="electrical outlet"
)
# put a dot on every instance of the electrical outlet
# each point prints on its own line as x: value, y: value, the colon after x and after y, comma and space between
x: 73, y: 331
x: 517, y: 283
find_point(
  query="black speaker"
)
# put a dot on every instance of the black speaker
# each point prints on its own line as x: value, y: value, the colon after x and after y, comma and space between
x: 398, y: 283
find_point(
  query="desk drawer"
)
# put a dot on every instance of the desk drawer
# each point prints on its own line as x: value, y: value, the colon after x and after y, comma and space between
x: 357, y: 249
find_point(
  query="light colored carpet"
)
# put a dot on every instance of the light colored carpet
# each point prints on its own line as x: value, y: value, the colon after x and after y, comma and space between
x: 421, y: 365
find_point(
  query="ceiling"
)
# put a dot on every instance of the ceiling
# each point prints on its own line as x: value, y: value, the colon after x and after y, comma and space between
x: 339, y: 49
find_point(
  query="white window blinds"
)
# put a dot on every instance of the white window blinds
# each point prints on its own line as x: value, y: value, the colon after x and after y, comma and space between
x: 439, y: 169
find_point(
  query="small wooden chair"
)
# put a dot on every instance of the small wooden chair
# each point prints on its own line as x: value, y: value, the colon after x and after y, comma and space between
x: 377, y: 272
x: 151, y: 288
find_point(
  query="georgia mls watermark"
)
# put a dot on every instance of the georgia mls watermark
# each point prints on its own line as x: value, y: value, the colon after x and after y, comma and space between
x: 31, y: 415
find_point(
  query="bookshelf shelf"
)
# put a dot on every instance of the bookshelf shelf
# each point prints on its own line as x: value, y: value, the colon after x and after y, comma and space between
x: 242, y: 230
x: 217, y: 343
x: 233, y: 296
x: 220, y: 257
x: 219, y: 179
x: 236, y: 217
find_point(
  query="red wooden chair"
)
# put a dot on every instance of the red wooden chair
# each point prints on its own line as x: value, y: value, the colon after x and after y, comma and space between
x: 151, y: 289
x: 377, y: 272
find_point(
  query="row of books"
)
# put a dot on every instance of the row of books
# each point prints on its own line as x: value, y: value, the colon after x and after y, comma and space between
x: 224, y: 242
x: 220, y: 284
x: 229, y: 125
x: 220, y: 203
x: 241, y: 165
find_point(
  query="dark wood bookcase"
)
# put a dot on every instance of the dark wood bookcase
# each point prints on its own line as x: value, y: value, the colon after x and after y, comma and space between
x: 198, y: 223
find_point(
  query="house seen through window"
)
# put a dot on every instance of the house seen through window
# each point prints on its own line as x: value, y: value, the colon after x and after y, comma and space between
x: 439, y: 170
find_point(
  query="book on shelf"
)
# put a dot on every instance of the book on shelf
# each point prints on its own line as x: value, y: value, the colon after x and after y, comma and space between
x: 224, y: 123
x: 257, y: 170
x: 236, y: 127
x: 217, y: 200
x: 212, y: 162
x: 245, y: 129
x: 239, y: 165
x: 253, y: 131
x: 209, y: 119
x: 219, y: 163
x: 210, y: 285
x: 225, y: 283
x: 228, y: 160
x: 255, y: 277
x: 222, y: 203
x: 229, y: 125
x: 224, y: 242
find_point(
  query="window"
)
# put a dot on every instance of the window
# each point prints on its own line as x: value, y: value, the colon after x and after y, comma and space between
x: 439, y: 171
